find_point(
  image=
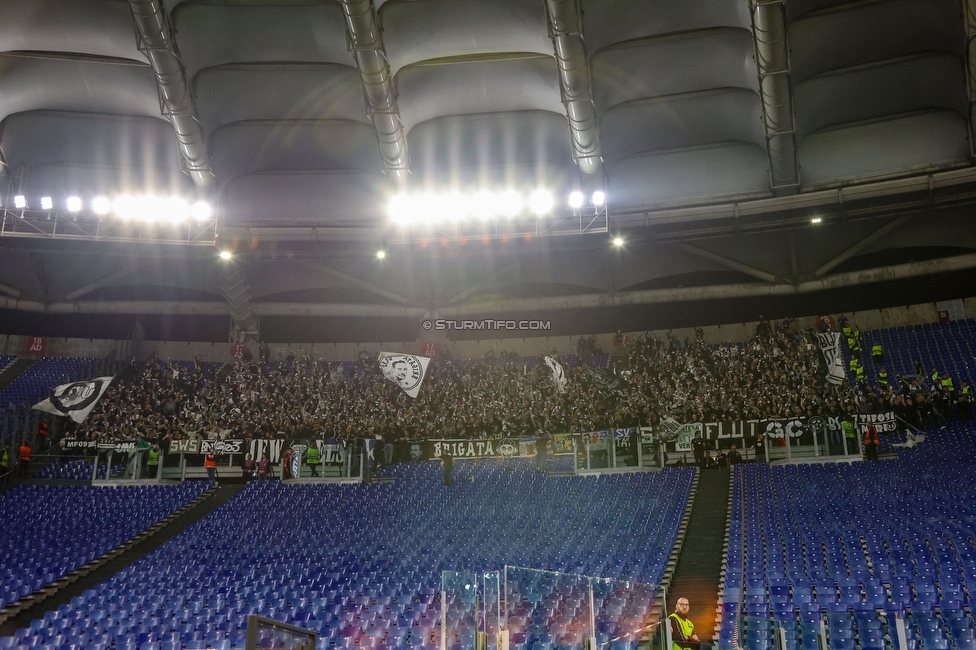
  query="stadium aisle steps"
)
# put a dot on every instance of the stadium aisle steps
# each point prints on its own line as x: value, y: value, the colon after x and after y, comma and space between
x: 698, y: 573
x: 194, y: 512
x: 14, y: 370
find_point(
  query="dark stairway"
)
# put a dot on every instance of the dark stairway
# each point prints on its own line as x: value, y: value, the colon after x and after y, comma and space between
x: 14, y: 370
x: 180, y: 523
x: 697, y: 574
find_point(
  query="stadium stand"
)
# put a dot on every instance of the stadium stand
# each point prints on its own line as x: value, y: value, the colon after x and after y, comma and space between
x: 6, y: 360
x: 50, y: 531
x: 43, y: 375
x: 853, y: 542
x: 361, y: 564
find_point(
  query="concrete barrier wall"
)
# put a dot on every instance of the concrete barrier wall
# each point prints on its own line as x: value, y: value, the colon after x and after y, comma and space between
x: 530, y: 346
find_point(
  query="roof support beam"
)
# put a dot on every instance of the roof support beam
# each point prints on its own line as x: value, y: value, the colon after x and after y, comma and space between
x: 773, y: 63
x: 735, y: 265
x: 359, y: 283
x: 10, y: 291
x: 566, y: 31
x: 496, y: 307
x: 847, y: 254
x: 366, y: 44
x: 156, y: 40
x: 104, y: 281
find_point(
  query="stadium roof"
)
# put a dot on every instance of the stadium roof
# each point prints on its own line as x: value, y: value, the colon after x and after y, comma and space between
x: 744, y: 150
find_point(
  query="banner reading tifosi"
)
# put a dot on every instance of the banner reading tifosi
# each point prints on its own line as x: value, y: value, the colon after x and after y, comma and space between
x: 885, y: 422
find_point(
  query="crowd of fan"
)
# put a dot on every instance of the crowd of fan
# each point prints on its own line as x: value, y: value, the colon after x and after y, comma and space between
x: 777, y: 374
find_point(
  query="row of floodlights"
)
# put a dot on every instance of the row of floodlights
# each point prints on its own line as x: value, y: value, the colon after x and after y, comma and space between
x: 431, y: 207
x: 146, y: 207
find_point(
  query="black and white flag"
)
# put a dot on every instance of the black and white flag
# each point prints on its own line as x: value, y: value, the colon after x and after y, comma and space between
x: 558, y: 376
x: 830, y: 348
x: 405, y: 370
x: 75, y: 400
x: 608, y: 384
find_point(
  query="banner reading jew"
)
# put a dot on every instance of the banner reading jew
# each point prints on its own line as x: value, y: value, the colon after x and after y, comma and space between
x: 75, y: 400
x: 830, y: 349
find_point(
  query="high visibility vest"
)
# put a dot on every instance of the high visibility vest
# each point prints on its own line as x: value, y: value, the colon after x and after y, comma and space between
x: 860, y: 372
x: 687, y: 628
x: 967, y: 392
x: 5, y: 459
x: 847, y: 332
x: 947, y: 384
x: 153, y: 457
x: 876, y: 350
x: 854, y: 364
x: 210, y: 461
x: 935, y: 378
x: 871, y: 436
x: 25, y: 452
x: 883, y: 378
x: 848, y: 429
x: 313, y: 456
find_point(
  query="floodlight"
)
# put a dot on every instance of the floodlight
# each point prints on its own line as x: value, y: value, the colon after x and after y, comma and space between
x: 486, y: 204
x: 599, y: 198
x: 47, y: 203
x: 151, y: 208
x: 404, y: 209
x: 74, y: 204
x: 125, y: 206
x: 201, y: 211
x: 225, y: 255
x: 617, y: 241
x: 816, y: 220
x: 455, y: 206
x: 20, y: 201
x: 380, y: 254
x: 540, y: 201
x: 510, y: 203
x: 101, y: 205
x: 575, y: 200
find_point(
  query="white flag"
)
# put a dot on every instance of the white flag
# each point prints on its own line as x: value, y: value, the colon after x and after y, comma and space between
x: 405, y: 370
x: 830, y: 348
x: 75, y: 400
x: 558, y: 376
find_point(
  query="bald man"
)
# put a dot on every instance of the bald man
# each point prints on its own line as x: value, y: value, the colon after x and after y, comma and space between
x: 683, y: 635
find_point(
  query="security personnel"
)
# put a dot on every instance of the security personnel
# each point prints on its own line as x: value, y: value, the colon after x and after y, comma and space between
x: 854, y: 343
x: 935, y: 379
x: 211, y: 464
x: 948, y: 386
x: 43, y: 428
x: 965, y: 401
x: 851, y: 437
x: 877, y: 353
x: 846, y: 330
x: 871, y: 443
x: 682, y: 629
x: 153, y: 462
x: 862, y: 376
x: 854, y: 364
x: 25, y: 458
x: 883, y: 378
x: 312, y: 457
